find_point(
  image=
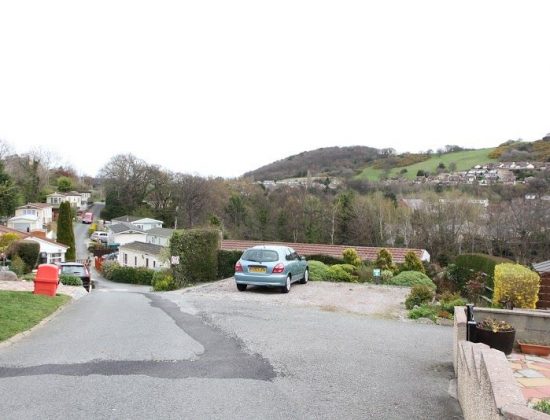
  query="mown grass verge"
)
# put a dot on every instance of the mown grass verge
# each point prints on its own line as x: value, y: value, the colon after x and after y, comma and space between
x: 20, y: 311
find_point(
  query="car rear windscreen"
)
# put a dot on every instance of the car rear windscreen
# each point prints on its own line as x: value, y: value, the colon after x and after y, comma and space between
x: 260, y: 255
x: 74, y: 270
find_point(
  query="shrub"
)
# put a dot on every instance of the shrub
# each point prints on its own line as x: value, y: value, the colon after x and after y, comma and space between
x: 419, y: 295
x: 226, y: 263
x: 410, y: 278
x: 163, y: 280
x: 449, y: 300
x: 386, y: 276
x: 28, y: 252
x: 70, y: 280
x: 413, y: 263
x: 198, y: 252
x: 107, y: 268
x: 351, y: 257
x: 384, y: 261
x: 467, y: 264
x: 92, y: 229
x: 516, y: 286
x: 364, y: 274
x: 543, y: 406
x: 318, y: 271
x: 132, y: 275
x: 326, y: 259
x: 424, y: 311
x: 340, y: 273
x: 18, y: 266
x: 28, y: 277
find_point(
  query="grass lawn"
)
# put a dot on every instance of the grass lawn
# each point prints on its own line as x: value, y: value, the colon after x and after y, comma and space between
x: 20, y: 311
x: 463, y: 160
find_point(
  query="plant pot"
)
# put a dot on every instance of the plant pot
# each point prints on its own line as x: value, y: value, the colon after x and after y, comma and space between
x: 501, y: 340
x: 536, y: 349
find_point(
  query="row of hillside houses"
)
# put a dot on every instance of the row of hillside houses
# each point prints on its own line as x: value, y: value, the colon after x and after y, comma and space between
x: 142, y: 242
x: 32, y: 222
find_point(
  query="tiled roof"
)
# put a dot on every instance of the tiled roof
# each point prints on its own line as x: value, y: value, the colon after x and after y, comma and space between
x: 126, y: 218
x: 365, y: 253
x: 144, y: 247
x: 124, y: 227
x: 35, y: 205
x: 23, y: 235
x: 162, y: 232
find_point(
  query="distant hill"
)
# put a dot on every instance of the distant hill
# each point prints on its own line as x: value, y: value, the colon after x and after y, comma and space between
x: 520, y: 151
x: 461, y: 161
x: 329, y: 161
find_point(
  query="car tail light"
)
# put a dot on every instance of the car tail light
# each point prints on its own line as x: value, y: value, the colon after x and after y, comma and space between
x: 238, y: 267
x: 279, y: 268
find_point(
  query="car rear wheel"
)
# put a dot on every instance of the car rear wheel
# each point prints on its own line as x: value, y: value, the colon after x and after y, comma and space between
x: 306, y: 277
x: 241, y: 287
x: 286, y: 287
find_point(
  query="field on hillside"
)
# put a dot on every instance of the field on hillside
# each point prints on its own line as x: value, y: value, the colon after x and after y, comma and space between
x: 463, y: 160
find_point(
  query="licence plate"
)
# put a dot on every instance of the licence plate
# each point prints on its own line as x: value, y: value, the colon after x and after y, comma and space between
x: 257, y: 269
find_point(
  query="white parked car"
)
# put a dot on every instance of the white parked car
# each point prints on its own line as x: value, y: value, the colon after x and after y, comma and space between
x: 100, y: 236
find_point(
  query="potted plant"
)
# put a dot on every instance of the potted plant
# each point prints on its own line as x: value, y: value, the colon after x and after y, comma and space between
x: 537, y: 349
x: 498, y: 335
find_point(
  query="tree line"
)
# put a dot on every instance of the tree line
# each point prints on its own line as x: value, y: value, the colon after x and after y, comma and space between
x: 448, y: 222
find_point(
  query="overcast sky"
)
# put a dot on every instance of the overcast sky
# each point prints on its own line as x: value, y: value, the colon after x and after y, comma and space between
x: 223, y: 87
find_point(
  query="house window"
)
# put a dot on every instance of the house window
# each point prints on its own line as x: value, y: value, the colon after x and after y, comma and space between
x: 55, y: 258
x: 125, y: 259
x: 146, y: 262
x: 154, y: 264
x: 135, y: 261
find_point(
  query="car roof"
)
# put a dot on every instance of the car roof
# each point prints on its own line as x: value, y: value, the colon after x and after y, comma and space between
x: 271, y: 247
x: 69, y: 264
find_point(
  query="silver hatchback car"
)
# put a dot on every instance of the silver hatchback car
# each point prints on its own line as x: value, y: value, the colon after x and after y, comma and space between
x: 272, y: 266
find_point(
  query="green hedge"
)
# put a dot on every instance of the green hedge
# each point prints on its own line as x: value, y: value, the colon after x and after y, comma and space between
x: 468, y: 264
x: 131, y: 275
x: 163, y: 280
x: 198, y: 253
x: 226, y: 263
x: 70, y: 280
x: 410, y: 278
x: 325, y: 259
x: 27, y: 251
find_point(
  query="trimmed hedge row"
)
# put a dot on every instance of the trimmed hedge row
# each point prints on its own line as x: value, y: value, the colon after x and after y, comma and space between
x: 198, y: 254
x: 226, y: 263
x: 131, y: 275
x: 467, y: 264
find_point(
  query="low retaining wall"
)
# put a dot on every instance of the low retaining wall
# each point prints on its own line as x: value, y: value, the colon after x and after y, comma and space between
x: 531, y: 326
x: 486, y: 385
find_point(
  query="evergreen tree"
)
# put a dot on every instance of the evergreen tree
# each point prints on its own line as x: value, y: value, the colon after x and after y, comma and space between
x: 413, y: 263
x: 9, y: 194
x: 344, y: 216
x: 384, y: 261
x: 65, y: 232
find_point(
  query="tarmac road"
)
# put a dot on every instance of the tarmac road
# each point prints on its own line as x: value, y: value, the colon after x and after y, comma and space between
x: 123, y: 352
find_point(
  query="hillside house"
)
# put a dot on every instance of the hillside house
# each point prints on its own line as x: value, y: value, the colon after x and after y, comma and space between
x: 159, y: 236
x: 25, y: 223
x: 124, y: 233
x: 42, y: 211
x: 73, y: 197
x: 52, y: 252
x: 139, y: 222
x: 141, y: 254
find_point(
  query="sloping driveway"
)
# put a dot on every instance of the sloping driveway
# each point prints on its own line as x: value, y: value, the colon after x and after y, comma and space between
x: 122, y: 352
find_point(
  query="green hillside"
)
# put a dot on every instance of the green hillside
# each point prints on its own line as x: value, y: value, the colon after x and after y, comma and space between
x: 464, y: 160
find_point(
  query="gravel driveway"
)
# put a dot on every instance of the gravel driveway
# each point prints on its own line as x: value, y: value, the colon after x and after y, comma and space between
x: 368, y: 299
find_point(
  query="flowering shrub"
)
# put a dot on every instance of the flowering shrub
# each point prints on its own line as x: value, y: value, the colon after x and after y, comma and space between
x: 516, y: 286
